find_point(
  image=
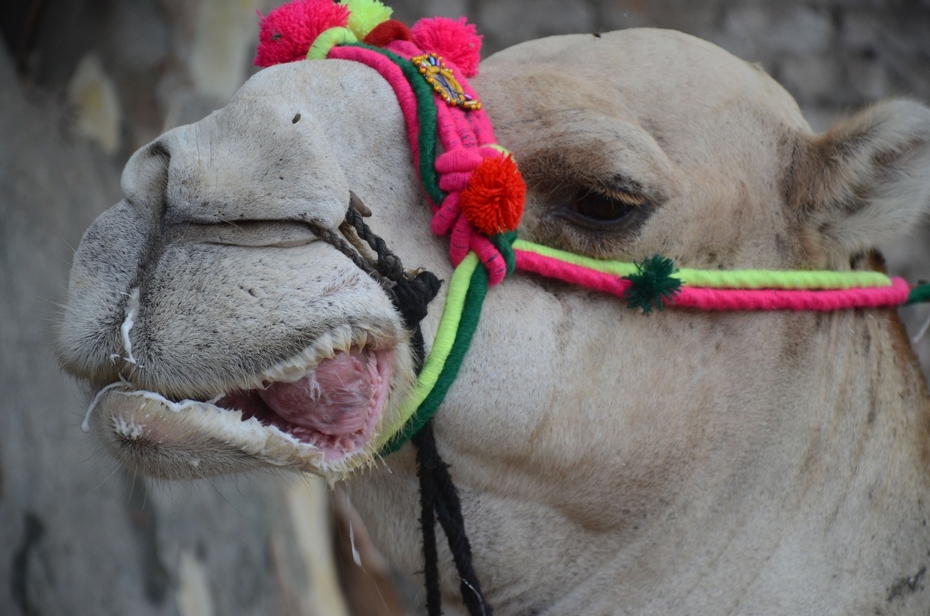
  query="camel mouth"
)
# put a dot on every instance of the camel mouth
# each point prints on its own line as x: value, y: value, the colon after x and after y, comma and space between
x: 320, y: 411
x: 335, y: 405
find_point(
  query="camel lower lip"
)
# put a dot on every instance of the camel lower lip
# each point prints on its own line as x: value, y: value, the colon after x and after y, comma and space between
x: 321, y: 418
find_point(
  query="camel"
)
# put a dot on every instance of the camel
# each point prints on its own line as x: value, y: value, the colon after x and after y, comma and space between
x: 608, y: 461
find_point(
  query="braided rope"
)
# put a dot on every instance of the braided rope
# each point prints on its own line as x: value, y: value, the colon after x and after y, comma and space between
x: 343, y: 246
x: 388, y: 264
x: 425, y: 465
x: 439, y: 500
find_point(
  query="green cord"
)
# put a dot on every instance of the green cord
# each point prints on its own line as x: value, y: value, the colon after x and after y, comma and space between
x: 467, y: 324
x: 442, y: 347
x: 471, y: 314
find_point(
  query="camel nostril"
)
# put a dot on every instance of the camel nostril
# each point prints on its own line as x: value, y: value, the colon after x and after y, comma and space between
x: 145, y: 177
x: 158, y: 150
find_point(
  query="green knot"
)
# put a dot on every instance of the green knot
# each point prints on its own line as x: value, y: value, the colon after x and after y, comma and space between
x: 504, y: 244
x: 653, y: 284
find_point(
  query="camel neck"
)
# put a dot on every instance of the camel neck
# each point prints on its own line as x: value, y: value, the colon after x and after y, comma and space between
x: 841, y: 477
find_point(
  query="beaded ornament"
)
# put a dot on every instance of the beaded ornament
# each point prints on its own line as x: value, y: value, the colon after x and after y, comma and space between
x: 436, y: 73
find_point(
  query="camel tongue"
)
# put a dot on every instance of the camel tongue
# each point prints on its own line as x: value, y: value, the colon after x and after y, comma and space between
x: 333, y: 399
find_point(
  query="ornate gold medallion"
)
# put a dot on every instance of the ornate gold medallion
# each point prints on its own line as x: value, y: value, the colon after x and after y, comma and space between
x: 440, y: 77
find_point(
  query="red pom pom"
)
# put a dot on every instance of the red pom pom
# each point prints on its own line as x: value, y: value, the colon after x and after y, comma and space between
x: 288, y: 31
x: 455, y: 40
x: 387, y: 31
x: 493, y: 200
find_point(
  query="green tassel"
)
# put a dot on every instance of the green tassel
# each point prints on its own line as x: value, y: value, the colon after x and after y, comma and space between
x: 653, y: 284
x: 919, y: 294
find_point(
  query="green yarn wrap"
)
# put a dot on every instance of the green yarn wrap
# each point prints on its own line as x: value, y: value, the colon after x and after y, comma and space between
x: 426, y: 117
x: 653, y: 284
x: 471, y: 314
x: 329, y: 39
x: 504, y: 244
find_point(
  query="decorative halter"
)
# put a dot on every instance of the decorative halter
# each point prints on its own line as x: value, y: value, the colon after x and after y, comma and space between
x: 477, y: 195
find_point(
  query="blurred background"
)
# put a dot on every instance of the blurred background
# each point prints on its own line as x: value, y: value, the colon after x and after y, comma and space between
x: 85, y: 83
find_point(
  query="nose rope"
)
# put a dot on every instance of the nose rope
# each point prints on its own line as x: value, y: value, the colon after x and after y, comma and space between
x: 388, y: 264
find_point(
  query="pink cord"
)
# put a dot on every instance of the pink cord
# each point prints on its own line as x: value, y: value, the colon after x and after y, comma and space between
x: 780, y: 299
x: 723, y: 299
x: 568, y: 272
x: 491, y: 258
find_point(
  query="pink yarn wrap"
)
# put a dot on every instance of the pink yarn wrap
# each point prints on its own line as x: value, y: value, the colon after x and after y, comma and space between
x: 464, y: 137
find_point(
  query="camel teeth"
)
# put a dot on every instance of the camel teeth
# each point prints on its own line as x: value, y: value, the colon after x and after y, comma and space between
x: 342, y: 339
x: 326, y: 346
x: 287, y: 374
x: 323, y: 347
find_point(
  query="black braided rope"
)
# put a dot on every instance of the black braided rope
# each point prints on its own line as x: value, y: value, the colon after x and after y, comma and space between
x: 343, y: 246
x: 439, y: 499
x: 438, y: 491
x: 388, y: 264
x: 428, y: 524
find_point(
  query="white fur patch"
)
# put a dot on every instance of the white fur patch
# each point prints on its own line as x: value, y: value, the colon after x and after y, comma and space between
x: 132, y: 308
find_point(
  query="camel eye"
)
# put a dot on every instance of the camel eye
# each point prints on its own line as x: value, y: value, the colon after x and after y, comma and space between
x: 597, y: 210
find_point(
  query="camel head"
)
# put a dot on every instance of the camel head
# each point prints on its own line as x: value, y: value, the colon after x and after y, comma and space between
x: 239, y: 337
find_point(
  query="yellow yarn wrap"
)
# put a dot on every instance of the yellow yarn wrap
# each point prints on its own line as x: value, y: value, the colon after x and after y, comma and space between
x: 445, y: 336
x: 329, y: 39
x: 732, y: 279
x: 365, y: 15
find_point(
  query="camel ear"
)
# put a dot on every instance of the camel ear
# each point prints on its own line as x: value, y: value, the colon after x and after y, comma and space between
x: 867, y: 180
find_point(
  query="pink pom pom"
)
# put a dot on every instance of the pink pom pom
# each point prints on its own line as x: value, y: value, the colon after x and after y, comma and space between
x: 455, y: 40
x: 288, y: 31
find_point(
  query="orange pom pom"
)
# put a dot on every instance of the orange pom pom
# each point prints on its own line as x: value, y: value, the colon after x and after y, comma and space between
x: 493, y: 200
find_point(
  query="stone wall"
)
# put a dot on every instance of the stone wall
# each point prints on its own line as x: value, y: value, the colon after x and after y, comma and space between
x: 832, y: 55
x: 171, y: 61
